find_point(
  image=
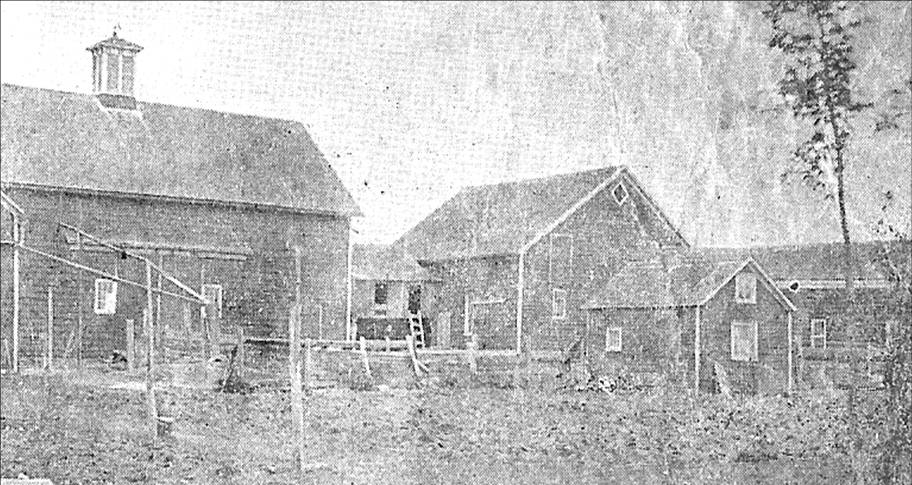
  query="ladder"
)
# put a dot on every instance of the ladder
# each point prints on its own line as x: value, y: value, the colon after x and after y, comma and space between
x: 416, y: 328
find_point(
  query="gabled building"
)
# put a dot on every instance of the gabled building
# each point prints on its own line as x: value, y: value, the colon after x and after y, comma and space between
x: 812, y: 276
x: 702, y: 319
x: 218, y: 199
x: 515, y: 260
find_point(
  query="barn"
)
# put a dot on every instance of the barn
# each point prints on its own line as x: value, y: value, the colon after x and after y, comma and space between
x: 221, y: 203
x: 703, y: 320
x: 514, y: 260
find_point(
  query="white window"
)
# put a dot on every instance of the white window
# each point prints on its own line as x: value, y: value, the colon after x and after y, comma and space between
x: 213, y: 293
x: 620, y: 193
x: 105, y: 296
x: 818, y: 333
x: 743, y: 341
x: 746, y: 288
x: 558, y: 303
x: 613, y: 339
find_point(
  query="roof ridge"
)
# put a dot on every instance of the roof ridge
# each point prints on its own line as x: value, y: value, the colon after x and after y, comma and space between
x: 542, y: 178
x: 158, y: 103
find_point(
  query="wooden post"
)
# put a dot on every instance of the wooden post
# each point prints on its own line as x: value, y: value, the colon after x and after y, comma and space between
x: 80, y: 297
x: 472, y: 347
x: 49, y: 352
x: 308, y: 363
x: 294, y: 363
x: 410, y: 343
x: 17, y: 241
x: 242, y: 353
x: 150, y: 354
x: 791, y: 370
x: 697, y: 349
x: 131, y: 344
x: 363, y: 344
x: 294, y: 371
x: 158, y: 300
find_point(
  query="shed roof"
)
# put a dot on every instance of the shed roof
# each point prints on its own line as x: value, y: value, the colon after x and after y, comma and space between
x: 62, y: 139
x: 680, y: 280
x: 501, y: 218
x: 380, y: 262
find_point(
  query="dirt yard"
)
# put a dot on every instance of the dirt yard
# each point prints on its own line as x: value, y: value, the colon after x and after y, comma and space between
x: 75, y: 428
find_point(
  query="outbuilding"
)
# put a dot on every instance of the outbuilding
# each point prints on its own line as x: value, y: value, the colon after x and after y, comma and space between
x: 709, y: 321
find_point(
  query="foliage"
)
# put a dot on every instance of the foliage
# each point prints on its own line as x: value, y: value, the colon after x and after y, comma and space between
x: 816, y: 38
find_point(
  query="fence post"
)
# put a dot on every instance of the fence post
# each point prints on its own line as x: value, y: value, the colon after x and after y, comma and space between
x: 49, y: 352
x: 294, y: 370
x: 242, y: 354
x: 308, y: 363
x: 363, y: 344
x: 131, y: 344
x: 472, y: 347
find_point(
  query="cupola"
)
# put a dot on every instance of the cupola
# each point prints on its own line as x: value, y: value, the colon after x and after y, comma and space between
x: 114, y: 71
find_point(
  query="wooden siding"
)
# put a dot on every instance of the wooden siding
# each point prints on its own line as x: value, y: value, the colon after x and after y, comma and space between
x: 664, y: 339
x: 873, y: 307
x: 769, y: 374
x: 257, y: 291
x: 479, y: 279
x: 605, y: 235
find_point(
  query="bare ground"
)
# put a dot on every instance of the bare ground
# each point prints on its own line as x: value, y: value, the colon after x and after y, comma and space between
x: 76, y: 428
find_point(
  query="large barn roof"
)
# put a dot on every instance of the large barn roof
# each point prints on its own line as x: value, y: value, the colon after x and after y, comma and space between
x: 62, y: 139
x: 501, y: 218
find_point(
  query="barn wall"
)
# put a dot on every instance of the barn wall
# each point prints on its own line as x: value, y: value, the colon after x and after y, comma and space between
x: 872, y: 307
x: 770, y: 373
x: 605, y: 235
x: 257, y: 291
x: 480, y: 279
x: 657, y: 340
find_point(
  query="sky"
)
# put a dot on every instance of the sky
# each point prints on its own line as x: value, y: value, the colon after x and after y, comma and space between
x: 408, y: 101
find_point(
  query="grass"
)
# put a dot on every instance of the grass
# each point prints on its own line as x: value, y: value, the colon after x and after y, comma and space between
x: 74, y: 430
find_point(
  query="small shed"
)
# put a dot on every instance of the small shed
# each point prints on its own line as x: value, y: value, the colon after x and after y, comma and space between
x: 388, y: 288
x: 718, y: 323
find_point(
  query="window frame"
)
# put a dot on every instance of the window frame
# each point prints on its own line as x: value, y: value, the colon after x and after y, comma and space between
x: 753, y: 327
x: 220, y: 299
x: 110, y: 297
x: 554, y: 298
x: 752, y: 300
x: 620, y: 339
x: 614, y: 195
x: 814, y: 335
x: 385, y: 285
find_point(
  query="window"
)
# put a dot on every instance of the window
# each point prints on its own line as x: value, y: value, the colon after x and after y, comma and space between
x: 558, y: 303
x: 381, y: 293
x: 213, y: 293
x: 746, y: 288
x: 113, y: 71
x: 613, y: 339
x: 105, y: 296
x: 620, y: 193
x: 743, y: 341
x: 818, y: 333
